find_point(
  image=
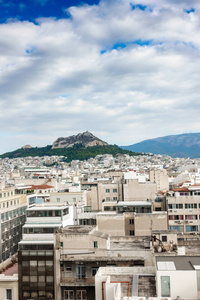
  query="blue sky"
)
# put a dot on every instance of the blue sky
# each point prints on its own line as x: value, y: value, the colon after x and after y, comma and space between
x: 32, y: 9
x: 124, y: 70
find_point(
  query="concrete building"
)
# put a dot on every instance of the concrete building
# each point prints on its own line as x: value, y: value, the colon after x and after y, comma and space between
x: 80, y: 251
x: 133, y: 190
x: 131, y: 223
x: 178, y: 277
x: 36, y: 255
x: 160, y: 177
x: 100, y: 192
x: 12, y: 214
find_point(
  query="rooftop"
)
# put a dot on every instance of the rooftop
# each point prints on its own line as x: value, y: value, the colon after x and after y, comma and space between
x: 184, y: 263
x: 11, y: 270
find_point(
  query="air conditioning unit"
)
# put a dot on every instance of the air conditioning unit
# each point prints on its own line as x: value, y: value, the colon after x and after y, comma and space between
x: 186, y: 221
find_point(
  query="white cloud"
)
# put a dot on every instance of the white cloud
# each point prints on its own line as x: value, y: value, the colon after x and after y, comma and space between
x: 125, y: 74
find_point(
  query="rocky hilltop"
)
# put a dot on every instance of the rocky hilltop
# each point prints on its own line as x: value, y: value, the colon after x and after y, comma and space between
x: 86, y: 139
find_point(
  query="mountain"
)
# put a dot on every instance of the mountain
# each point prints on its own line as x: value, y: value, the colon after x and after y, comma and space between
x: 80, y: 147
x: 86, y: 139
x: 182, y: 145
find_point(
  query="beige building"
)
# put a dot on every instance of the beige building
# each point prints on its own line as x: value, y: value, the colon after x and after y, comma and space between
x: 135, y: 191
x: 98, y: 193
x: 79, y: 251
x: 132, y: 219
x: 160, y: 177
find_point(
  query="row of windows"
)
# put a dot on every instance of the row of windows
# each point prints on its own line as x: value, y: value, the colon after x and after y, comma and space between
x: 13, y: 214
x: 13, y: 223
x: 46, y: 213
x: 40, y: 230
x: 109, y: 208
x: 188, y: 228
x: 80, y: 294
x: 6, y: 194
x: 189, y: 194
x: 108, y: 199
x: 68, y: 268
x: 180, y: 205
x: 108, y: 190
x: 39, y: 279
x: 9, y: 203
x: 33, y: 294
x: 182, y: 217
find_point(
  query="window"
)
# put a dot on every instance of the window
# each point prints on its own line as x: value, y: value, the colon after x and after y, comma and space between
x: 164, y: 238
x: 69, y: 295
x: 131, y: 221
x: 114, y: 190
x: 107, y: 198
x: 81, y: 295
x: 191, y: 228
x: 68, y: 268
x: 191, y: 217
x: 190, y: 205
x: 175, y: 206
x: 115, y: 198
x: 94, y: 270
x: 132, y: 232
x: 80, y: 272
x: 57, y: 200
x: 95, y: 244
x: 107, y: 190
x: 57, y: 213
x: 61, y: 244
x: 8, y: 294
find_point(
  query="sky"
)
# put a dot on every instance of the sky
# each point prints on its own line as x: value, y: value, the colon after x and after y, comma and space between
x: 124, y: 70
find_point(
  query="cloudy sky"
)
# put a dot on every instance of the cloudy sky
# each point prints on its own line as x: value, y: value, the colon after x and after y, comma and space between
x: 124, y: 70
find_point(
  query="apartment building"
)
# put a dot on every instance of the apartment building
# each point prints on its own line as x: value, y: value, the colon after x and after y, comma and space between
x: 133, y: 190
x: 100, y: 192
x: 36, y: 255
x: 80, y: 251
x: 132, y: 218
x: 12, y: 214
x: 160, y: 177
x: 184, y: 209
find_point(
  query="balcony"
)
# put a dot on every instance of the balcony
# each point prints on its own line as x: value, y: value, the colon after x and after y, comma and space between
x: 65, y: 280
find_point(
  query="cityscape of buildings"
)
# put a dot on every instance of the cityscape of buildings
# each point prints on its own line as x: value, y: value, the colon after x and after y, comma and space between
x: 109, y: 228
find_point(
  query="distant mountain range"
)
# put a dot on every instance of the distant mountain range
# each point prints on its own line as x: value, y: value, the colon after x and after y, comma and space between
x: 77, y: 147
x: 182, y: 145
